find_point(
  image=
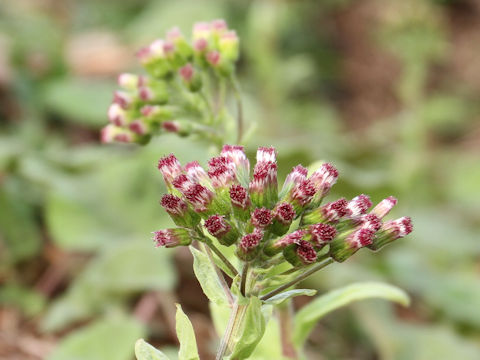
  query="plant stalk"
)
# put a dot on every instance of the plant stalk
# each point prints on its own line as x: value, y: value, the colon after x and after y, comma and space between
x: 238, y: 99
x: 222, y: 257
x: 243, y: 281
x: 301, y: 277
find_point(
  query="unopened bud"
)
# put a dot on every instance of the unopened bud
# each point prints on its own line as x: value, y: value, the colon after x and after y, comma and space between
x: 222, y: 229
x: 117, y: 115
x: 179, y: 211
x: 172, y: 237
x: 384, y: 207
x: 391, y: 231
x: 284, y: 213
x: 128, y: 81
x: 249, y: 245
x: 190, y: 78
x: 343, y: 247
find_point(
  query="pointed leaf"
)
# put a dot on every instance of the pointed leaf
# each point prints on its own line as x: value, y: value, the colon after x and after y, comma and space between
x: 145, y: 351
x: 309, y: 315
x: 207, y: 277
x: 277, y: 299
x: 186, y: 337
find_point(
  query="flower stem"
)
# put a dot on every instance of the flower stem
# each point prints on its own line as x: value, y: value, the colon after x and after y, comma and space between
x: 244, y: 278
x: 222, y: 257
x: 238, y: 99
x: 301, y: 277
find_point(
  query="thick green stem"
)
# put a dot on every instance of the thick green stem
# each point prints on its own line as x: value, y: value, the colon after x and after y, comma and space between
x: 295, y: 281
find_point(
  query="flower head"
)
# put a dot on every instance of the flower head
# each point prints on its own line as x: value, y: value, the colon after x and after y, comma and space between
x: 172, y: 237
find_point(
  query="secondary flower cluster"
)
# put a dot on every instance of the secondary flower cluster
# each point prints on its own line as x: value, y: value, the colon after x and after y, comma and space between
x: 263, y: 222
x: 171, y: 98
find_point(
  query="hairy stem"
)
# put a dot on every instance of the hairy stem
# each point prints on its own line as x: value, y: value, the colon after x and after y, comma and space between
x: 301, y: 277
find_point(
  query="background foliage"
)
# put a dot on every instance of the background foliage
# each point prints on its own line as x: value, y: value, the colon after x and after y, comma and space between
x: 386, y: 90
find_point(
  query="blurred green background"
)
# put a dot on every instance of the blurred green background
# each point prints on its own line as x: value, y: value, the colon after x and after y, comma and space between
x: 387, y: 90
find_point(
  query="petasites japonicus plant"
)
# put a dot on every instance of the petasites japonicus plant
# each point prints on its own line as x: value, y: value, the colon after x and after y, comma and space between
x: 238, y: 222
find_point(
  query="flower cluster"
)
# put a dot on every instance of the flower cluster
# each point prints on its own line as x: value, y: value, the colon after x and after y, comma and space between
x: 172, y: 96
x: 263, y: 223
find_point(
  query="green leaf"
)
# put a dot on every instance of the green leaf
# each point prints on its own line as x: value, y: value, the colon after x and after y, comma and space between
x: 186, y: 337
x: 104, y: 339
x: 310, y: 314
x: 145, y: 351
x: 277, y: 299
x: 250, y: 331
x: 207, y: 277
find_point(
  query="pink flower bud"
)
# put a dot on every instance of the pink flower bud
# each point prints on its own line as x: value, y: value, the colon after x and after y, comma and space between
x: 289, y: 239
x: 249, y: 244
x: 117, y: 115
x: 197, y: 173
x: 123, y: 99
x: 108, y: 133
x: 139, y: 127
x: 186, y: 72
x: 399, y: 227
x: 296, y: 176
x: 145, y: 93
x: 171, y: 126
x: 305, y: 252
x: 221, y: 171
x: 214, y: 58
x: 127, y: 81
x: 324, y: 178
x: 172, y: 237
x: 359, y: 205
x: 218, y: 26
x: 266, y: 154
x: 174, y: 34
x: 371, y: 221
x: 200, y: 45
x: 239, y: 197
x: 236, y: 155
x: 302, y: 194
x: 360, y: 238
x: 182, y: 183
x: 174, y: 205
x: 123, y: 137
x: 334, y: 211
x: 261, y: 217
x: 322, y: 233
x: 170, y: 168
x: 201, y: 30
x: 284, y: 213
x: 217, y: 226
x: 384, y: 207
x: 199, y: 196
x: 168, y: 48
